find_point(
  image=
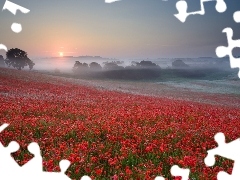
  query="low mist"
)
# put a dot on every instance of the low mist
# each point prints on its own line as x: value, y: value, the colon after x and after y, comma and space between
x: 169, y: 68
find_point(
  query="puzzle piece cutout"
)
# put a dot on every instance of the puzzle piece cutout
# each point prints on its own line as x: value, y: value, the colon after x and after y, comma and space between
x: 5, y: 125
x: 159, y: 178
x: 236, y: 16
x: 2, y: 46
x: 35, y: 162
x: 111, y: 1
x: 228, y: 150
x: 17, y: 28
x: 86, y: 178
x: 32, y: 169
x: 177, y: 171
x: 222, y: 51
x: 12, y: 7
x: 182, y: 7
x: 7, y: 162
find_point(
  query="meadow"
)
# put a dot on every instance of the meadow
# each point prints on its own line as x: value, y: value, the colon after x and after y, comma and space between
x: 109, y: 133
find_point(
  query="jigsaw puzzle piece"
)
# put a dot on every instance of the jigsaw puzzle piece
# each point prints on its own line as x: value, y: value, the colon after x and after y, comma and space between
x: 236, y: 17
x: 223, y: 176
x: 182, y: 11
x: 17, y: 28
x: 159, y: 178
x: 2, y: 46
x: 182, y: 7
x: 111, y: 1
x: 5, y: 125
x: 222, y: 51
x: 64, y: 165
x: 85, y: 178
x: 31, y: 170
x: 220, y: 6
x: 12, y: 7
x: 7, y: 162
x: 54, y: 175
x: 33, y: 166
x: 227, y: 150
x: 177, y: 171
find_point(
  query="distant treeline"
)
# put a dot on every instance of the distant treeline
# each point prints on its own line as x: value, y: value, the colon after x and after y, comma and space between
x: 144, y: 70
x: 112, y: 70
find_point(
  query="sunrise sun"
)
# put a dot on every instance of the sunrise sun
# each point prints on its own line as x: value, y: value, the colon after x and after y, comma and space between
x: 61, y: 54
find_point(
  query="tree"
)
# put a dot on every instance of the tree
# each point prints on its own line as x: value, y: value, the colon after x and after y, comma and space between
x: 2, y: 64
x: 179, y: 64
x: 18, y: 59
x: 147, y: 64
x: 112, y: 66
x: 95, y: 66
x: 80, y: 67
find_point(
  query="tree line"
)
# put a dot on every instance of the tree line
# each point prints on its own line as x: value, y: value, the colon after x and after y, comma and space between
x: 136, y: 71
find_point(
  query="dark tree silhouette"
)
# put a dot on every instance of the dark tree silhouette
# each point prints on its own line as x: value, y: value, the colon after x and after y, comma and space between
x: 140, y: 71
x: 146, y: 64
x: 80, y: 67
x: 137, y: 71
x: 112, y: 66
x: 95, y: 66
x: 2, y: 64
x: 179, y: 64
x: 18, y: 59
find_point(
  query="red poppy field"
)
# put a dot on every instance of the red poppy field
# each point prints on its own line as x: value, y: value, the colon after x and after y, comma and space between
x: 109, y: 134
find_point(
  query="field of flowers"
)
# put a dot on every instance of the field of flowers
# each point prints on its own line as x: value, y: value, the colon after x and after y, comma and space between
x: 110, y: 134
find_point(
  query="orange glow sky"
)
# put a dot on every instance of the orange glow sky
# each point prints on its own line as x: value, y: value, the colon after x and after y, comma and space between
x: 126, y: 29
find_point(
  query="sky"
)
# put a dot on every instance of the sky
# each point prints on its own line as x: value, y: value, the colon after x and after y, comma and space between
x: 125, y: 29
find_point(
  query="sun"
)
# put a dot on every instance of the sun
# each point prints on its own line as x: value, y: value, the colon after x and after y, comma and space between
x: 61, y: 54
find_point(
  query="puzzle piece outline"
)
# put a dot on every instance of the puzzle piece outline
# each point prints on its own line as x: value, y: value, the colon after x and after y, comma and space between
x: 32, y: 169
x: 228, y: 150
x: 13, y: 8
x: 222, y: 51
x: 182, y: 7
x: 177, y: 171
x: 111, y: 1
